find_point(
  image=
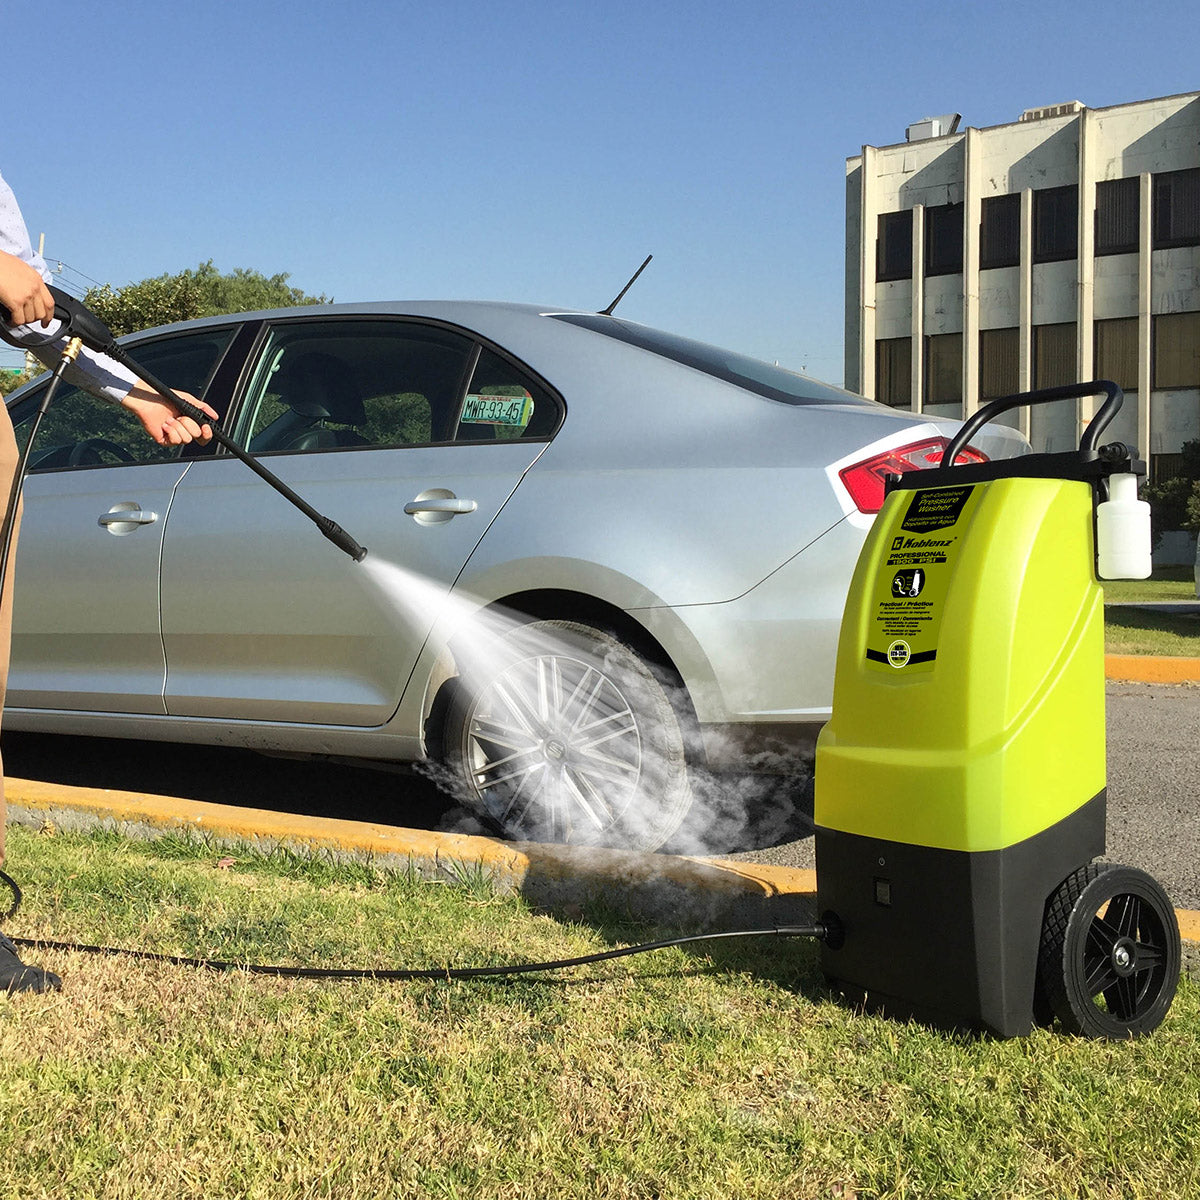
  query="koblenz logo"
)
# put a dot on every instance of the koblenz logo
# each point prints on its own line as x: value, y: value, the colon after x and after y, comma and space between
x: 903, y: 543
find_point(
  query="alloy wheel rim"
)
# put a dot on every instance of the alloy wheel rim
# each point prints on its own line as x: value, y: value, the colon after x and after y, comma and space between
x: 553, y: 749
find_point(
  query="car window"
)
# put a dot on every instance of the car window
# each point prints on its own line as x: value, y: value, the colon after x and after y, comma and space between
x: 79, y: 430
x: 762, y: 378
x: 504, y: 403
x: 325, y: 385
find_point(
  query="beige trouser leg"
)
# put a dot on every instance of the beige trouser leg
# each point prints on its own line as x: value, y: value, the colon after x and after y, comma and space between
x: 8, y: 466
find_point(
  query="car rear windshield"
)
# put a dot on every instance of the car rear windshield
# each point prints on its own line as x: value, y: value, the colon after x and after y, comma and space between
x: 754, y: 375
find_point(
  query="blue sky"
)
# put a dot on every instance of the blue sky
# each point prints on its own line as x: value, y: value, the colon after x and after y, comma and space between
x: 526, y: 150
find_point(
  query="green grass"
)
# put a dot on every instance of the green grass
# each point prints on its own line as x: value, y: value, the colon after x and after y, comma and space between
x: 721, y: 1074
x: 1136, y: 631
x: 1167, y: 583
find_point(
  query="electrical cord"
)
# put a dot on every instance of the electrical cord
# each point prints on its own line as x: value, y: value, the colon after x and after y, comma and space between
x: 822, y: 930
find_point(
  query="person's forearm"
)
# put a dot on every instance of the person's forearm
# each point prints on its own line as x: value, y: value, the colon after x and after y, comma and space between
x: 95, y: 373
x: 101, y: 376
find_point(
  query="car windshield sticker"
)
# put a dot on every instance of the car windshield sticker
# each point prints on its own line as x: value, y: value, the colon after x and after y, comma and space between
x: 511, y: 410
x: 914, y: 575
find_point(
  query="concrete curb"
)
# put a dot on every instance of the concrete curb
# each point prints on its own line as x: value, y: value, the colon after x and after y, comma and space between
x: 663, y: 889
x: 1136, y: 668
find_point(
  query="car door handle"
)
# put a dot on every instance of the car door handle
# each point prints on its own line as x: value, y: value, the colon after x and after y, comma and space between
x: 445, y: 506
x: 126, y: 515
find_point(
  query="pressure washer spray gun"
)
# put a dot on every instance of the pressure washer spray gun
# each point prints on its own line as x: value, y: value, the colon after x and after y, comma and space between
x: 81, y: 327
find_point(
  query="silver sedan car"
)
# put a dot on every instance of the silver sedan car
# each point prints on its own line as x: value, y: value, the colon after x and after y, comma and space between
x: 606, y: 564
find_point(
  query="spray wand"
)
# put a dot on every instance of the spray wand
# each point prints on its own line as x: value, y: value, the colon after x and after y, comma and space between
x: 81, y: 325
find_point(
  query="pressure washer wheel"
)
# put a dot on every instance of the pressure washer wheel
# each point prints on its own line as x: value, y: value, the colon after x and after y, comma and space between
x: 566, y: 735
x: 1110, y: 952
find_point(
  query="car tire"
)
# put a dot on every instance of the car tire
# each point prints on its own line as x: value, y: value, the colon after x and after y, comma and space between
x: 567, y: 735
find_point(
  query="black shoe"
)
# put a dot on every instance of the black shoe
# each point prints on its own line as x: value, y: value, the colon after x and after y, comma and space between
x: 15, y: 976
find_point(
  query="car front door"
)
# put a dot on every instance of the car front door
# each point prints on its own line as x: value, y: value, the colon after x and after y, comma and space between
x: 407, y: 434
x: 86, y: 632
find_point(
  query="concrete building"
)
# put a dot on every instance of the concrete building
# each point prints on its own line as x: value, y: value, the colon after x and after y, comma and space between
x: 1064, y: 246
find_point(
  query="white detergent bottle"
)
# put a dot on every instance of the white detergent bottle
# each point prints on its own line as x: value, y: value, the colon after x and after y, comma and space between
x: 1123, y: 531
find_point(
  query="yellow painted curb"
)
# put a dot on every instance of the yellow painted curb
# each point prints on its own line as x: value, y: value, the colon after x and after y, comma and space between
x: 1189, y: 924
x: 511, y: 866
x: 1137, y: 668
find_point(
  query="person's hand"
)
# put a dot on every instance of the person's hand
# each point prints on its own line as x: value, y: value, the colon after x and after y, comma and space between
x: 23, y: 292
x: 163, y: 422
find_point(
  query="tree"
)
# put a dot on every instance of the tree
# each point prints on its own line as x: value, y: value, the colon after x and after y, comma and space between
x: 1175, y: 504
x: 202, y: 292
x: 11, y: 379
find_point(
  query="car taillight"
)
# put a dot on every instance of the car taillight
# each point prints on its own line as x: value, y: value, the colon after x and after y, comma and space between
x: 864, y: 480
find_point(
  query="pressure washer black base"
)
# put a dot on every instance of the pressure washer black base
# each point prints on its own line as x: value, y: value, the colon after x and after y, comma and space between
x: 947, y: 936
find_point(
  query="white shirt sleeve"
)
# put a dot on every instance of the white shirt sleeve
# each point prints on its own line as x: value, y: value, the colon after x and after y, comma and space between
x: 98, y: 374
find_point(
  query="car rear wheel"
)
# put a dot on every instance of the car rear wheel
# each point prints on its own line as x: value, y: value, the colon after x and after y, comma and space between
x: 567, y: 735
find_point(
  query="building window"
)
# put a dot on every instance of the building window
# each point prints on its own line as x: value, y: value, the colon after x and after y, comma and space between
x: 1054, y: 355
x: 944, y: 239
x: 1000, y: 232
x: 1177, y: 350
x: 1165, y: 467
x: 1117, y: 352
x: 893, y: 250
x: 893, y: 372
x: 943, y: 368
x: 1055, y: 223
x: 1118, y: 211
x: 1177, y: 208
x: 999, y: 363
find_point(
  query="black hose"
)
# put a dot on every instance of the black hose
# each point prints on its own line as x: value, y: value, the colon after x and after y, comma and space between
x: 8, y: 528
x: 828, y: 929
x: 818, y: 931
x: 16, y: 893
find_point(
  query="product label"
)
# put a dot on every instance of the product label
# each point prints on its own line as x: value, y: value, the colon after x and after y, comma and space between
x: 914, y: 576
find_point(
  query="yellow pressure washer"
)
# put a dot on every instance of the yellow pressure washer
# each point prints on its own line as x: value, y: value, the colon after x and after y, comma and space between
x: 960, y: 784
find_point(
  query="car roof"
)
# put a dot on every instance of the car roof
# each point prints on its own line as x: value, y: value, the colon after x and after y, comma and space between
x: 558, y: 345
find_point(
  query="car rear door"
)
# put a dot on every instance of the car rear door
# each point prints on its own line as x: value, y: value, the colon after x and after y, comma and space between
x: 264, y: 619
x: 86, y: 632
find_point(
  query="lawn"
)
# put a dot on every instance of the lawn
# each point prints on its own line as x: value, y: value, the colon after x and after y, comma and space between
x: 723, y: 1073
x: 1167, y: 583
x: 1141, y: 631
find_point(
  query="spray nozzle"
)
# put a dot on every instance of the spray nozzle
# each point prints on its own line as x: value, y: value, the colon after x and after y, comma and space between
x: 341, y: 539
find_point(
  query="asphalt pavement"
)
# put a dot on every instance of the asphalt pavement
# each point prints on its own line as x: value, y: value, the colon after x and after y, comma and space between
x: 1153, y: 788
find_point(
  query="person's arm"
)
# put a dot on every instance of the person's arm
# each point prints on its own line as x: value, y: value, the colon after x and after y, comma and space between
x: 22, y: 270
x: 23, y: 292
x: 162, y: 421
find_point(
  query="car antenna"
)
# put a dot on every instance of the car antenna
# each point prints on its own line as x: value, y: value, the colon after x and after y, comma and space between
x: 607, y: 312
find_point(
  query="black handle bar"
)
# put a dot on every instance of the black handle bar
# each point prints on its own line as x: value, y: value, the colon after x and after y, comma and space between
x: 1070, y: 391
